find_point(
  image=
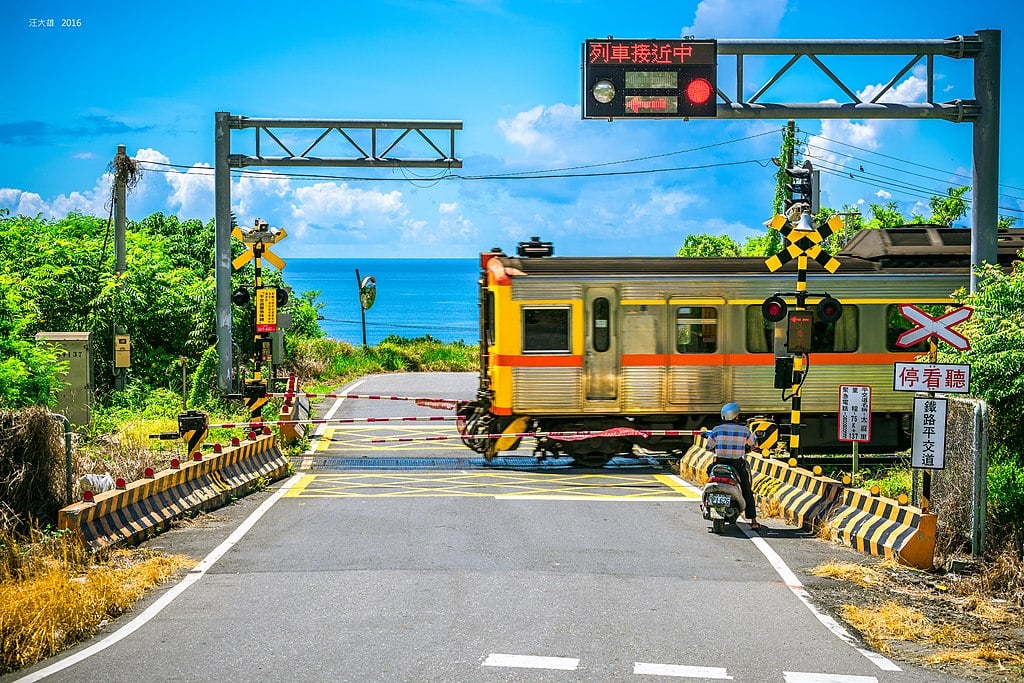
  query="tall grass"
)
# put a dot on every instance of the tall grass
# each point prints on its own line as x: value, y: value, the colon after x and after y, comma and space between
x: 54, y: 592
x: 331, y: 362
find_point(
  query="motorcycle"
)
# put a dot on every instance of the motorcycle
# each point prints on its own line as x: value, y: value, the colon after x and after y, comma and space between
x: 721, y: 499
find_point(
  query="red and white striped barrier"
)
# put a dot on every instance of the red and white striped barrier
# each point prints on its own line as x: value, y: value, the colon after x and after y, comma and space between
x: 438, y: 403
x: 618, y: 432
x: 337, y: 420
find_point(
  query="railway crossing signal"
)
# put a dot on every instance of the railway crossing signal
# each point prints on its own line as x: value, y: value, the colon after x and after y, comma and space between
x: 941, y: 327
x: 258, y: 240
x: 804, y: 242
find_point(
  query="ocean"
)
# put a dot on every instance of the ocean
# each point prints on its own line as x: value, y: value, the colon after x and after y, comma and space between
x: 415, y: 297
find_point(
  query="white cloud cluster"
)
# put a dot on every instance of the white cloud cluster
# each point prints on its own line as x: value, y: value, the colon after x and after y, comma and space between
x: 540, y: 130
x: 736, y: 18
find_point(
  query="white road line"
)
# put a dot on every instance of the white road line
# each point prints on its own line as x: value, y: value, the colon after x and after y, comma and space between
x: 794, y: 584
x: 307, y: 460
x: 532, y: 662
x: 166, y: 599
x: 800, y: 677
x: 681, y: 671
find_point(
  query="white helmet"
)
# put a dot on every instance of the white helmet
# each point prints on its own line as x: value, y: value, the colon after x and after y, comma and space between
x: 730, y: 411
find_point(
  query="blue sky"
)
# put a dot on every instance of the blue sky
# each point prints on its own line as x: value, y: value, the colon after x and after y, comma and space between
x: 152, y: 75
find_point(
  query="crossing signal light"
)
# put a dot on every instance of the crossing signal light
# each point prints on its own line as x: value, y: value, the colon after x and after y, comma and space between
x: 281, y: 297
x: 829, y: 310
x: 774, y: 309
x: 241, y: 297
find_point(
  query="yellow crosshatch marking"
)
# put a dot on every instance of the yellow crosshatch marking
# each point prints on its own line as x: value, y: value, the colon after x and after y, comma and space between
x: 526, y: 485
x: 356, y: 438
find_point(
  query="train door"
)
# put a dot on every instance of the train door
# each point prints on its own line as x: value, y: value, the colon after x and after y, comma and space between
x: 601, y: 346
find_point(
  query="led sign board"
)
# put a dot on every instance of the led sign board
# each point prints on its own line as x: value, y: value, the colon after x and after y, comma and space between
x: 649, y: 78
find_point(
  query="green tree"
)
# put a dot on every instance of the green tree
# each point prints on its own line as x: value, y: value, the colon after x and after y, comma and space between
x: 705, y: 246
x: 951, y: 208
x: 996, y: 357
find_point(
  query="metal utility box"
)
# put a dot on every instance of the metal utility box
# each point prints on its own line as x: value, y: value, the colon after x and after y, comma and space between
x: 75, y: 400
x: 122, y: 351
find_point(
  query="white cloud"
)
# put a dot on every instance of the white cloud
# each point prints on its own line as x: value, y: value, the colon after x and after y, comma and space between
x: 882, y: 194
x: 192, y: 192
x: 736, y: 18
x: 329, y: 205
x: 83, y: 155
x: 540, y: 129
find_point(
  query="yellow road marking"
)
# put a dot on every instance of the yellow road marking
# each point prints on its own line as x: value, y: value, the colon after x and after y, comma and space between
x: 673, y: 483
x: 532, y: 485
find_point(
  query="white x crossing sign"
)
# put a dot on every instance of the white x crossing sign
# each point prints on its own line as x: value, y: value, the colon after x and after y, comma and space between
x: 941, y: 327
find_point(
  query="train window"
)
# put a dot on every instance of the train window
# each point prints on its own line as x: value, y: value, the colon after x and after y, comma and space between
x: 601, y: 324
x: 838, y: 337
x: 896, y: 324
x: 546, y: 330
x: 489, y: 318
x: 696, y: 329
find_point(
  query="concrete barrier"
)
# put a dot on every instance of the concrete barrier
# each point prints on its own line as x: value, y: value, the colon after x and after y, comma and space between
x: 881, y: 526
x: 805, y: 497
x: 147, y: 506
x: 869, y: 523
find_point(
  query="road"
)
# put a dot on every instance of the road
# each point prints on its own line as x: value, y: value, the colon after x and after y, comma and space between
x: 449, y: 571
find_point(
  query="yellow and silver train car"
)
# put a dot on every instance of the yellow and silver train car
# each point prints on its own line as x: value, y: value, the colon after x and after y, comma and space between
x: 582, y: 345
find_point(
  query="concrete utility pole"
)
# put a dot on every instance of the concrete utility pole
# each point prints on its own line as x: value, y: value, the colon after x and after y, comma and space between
x: 120, y: 248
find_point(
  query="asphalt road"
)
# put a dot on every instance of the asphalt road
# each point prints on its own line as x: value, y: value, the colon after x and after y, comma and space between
x: 393, y: 571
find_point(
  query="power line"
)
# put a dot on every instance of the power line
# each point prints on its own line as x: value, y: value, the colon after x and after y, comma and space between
x: 903, y: 161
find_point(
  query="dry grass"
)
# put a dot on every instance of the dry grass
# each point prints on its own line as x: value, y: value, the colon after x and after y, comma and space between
x: 857, y: 574
x: 932, y: 619
x: 1002, y: 577
x: 54, y: 593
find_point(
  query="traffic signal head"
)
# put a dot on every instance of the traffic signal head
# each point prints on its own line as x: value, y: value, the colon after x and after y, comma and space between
x: 829, y: 309
x: 281, y: 296
x: 774, y: 309
x: 241, y: 297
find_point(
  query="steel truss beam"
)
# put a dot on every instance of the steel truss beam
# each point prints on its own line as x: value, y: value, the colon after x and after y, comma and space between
x: 740, y: 106
x: 364, y: 155
x: 982, y: 111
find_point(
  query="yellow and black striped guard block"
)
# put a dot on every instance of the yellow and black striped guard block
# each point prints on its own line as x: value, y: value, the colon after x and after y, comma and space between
x: 881, y: 526
x: 147, y: 506
x: 806, y: 499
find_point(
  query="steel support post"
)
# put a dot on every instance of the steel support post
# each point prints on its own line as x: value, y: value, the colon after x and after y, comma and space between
x: 985, y: 167
x: 222, y: 262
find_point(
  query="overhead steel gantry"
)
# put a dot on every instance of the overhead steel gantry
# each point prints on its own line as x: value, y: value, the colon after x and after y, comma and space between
x: 982, y: 110
x: 369, y: 154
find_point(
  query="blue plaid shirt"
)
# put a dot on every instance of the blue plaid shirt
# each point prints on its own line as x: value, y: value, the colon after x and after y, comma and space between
x: 729, y: 440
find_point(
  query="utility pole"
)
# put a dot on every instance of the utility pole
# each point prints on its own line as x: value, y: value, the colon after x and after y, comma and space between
x: 120, y: 259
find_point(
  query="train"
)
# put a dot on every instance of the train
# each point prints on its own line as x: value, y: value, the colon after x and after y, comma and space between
x: 635, y: 349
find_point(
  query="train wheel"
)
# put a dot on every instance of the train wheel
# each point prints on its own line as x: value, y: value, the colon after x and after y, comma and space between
x: 592, y: 459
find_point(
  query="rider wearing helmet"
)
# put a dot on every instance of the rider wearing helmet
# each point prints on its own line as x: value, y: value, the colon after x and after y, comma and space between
x: 730, y: 442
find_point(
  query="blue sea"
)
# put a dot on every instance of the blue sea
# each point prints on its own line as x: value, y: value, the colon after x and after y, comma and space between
x: 415, y: 297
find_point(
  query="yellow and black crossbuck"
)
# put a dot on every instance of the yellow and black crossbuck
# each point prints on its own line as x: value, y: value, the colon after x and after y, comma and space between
x: 804, y: 242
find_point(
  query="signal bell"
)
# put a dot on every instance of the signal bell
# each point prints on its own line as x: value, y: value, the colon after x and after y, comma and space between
x: 774, y: 309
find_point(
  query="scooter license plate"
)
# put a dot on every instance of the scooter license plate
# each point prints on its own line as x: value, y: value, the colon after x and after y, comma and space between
x: 720, y: 499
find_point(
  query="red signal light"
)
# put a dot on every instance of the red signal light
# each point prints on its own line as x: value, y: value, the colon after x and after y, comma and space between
x: 699, y: 91
x: 774, y: 309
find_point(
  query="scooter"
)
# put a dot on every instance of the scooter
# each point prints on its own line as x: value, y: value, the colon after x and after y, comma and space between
x: 721, y: 500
